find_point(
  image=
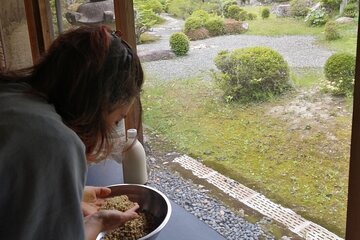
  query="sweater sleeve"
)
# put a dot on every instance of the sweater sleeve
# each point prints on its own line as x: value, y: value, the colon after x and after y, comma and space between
x: 42, y: 169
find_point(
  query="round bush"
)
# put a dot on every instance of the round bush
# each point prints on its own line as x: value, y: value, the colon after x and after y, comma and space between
x: 193, y: 23
x: 179, y: 43
x: 265, y: 13
x: 299, y: 8
x: 340, y: 73
x: 350, y: 10
x: 202, y: 14
x: 251, y: 16
x: 233, y: 12
x: 212, y: 7
x: 331, y: 32
x: 226, y: 6
x: 155, y: 5
x: 215, y: 25
x: 252, y: 74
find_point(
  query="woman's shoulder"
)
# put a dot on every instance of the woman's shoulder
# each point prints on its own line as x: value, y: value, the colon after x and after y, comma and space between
x: 27, y: 115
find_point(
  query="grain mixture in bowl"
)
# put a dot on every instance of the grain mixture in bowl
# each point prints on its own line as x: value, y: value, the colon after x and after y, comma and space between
x: 132, y: 230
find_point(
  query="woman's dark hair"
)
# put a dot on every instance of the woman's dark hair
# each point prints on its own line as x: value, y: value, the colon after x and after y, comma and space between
x: 84, y: 74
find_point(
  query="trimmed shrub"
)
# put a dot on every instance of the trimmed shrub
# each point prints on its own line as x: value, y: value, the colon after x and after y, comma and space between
x: 233, y: 12
x: 317, y: 17
x: 340, y: 73
x: 179, y: 43
x: 299, y: 8
x: 331, y: 32
x: 155, y: 5
x: 212, y: 7
x: 215, y: 25
x: 265, y: 13
x: 350, y: 10
x: 201, y: 14
x: 226, y: 6
x: 193, y: 23
x: 233, y: 27
x: 243, y: 16
x: 164, y: 4
x: 198, y: 34
x: 331, y: 5
x: 251, y: 74
x: 251, y: 16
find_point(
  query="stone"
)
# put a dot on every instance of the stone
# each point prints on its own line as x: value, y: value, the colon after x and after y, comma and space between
x: 283, y: 10
x: 344, y: 20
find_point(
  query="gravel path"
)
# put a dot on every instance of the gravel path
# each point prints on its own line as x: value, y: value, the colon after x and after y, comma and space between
x: 298, y: 51
x: 194, y: 199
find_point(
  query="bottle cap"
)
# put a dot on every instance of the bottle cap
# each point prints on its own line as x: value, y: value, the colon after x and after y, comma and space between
x: 131, y: 133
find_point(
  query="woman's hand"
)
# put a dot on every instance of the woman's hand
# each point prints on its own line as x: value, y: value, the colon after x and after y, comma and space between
x: 106, y: 220
x: 93, y: 199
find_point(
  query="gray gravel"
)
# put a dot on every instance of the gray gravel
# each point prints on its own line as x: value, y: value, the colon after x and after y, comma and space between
x: 298, y: 51
x: 194, y: 199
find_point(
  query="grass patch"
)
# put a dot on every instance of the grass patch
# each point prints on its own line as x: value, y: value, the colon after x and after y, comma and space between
x: 274, y: 26
x: 148, y: 38
x: 302, y: 169
x: 347, y: 42
x: 306, y: 77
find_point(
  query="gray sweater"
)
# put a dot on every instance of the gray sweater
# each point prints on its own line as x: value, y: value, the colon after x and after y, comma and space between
x: 42, y: 170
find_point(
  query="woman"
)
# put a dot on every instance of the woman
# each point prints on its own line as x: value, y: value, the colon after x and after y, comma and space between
x: 53, y: 117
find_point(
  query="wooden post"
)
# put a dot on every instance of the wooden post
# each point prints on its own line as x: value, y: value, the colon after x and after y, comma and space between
x: 353, y: 209
x: 124, y: 20
x: 40, y: 28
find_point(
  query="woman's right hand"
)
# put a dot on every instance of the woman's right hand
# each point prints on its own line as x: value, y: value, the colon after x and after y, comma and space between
x: 106, y: 220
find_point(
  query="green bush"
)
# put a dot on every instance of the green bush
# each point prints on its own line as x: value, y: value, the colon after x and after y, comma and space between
x: 251, y: 16
x: 202, y: 14
x: 252, y: 74
x: 317, y: 17
x: 212, y: 7
x: 179, y: 43
x: 155, y: 5
x: 144, y: 20
x: 331, y: 5
x: 226, y: 6
x: 350, y: 10
x: 265, y: 13
x: 192, y: 23
x: 215, y: 25
x: 340, y: 73
x: 183, y: 8
x: 233, y: 12
x: 331, y: 31
x: 299, y: 8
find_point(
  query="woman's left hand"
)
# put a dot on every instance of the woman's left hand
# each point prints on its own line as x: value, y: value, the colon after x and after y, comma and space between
x: 93, y: 199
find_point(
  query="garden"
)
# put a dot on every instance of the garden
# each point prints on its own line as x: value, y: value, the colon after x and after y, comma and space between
x: 281, y: 130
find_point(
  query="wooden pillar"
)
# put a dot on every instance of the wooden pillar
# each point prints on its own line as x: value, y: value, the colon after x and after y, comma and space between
x: 124, y: 20
x: 39, y: 21
x: 353, y: 209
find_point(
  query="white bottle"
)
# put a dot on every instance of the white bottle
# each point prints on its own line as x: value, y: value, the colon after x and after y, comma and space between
x: 134, y: 160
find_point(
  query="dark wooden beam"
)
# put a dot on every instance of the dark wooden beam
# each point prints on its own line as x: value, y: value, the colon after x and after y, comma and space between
x: 353, y: 209
x: 40, y: 28
x: 124, y: 20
